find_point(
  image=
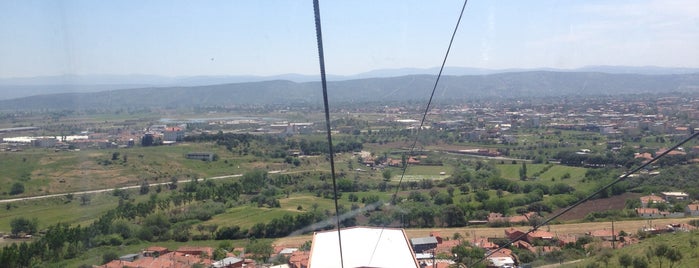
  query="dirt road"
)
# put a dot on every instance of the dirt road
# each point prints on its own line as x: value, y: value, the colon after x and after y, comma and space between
x: 631, y: 227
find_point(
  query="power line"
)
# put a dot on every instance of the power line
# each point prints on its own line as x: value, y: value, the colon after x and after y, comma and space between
x: 424, y: 115
x: 429, y: 102
x: 619, y: 179
x: 321, y: 58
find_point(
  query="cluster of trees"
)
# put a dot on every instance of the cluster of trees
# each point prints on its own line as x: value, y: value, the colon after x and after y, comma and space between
x: 572, y: 158
x: 161, y: 218
x: 274, y: 146
x: 164, y: 216
x: 17, y: 188
x: 24, y: 225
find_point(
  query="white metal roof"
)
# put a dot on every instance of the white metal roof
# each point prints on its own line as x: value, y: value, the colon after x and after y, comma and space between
x: 362, y: 247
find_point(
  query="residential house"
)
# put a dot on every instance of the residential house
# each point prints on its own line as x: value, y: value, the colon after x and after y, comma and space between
x: 228, y: 262
x: 446, y: 245
x: 501, y: 258
x: 514, y: 234
x: 173, y: 134
x: 483, y: 242
x: 675, y: 196
x: 205, y: 156
x: 649, y: 213
x: 129, y: 257
x: 155, y: 251
x: 422, y: 244
x: 521, y: 244
x: 673, y: 152
x: 692, y: 209
x: 204, y: 252
x: 170, y: 260
x: 299, y: 259
x: 645, y: 156
x: 413, y: 161
x: 539, y: 235
x: 651, y: 199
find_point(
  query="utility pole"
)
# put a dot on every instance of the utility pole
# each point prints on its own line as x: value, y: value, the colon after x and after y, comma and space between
x: 613, y: 236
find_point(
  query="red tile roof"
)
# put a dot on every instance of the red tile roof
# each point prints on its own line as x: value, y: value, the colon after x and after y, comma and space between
x: 299, y: 259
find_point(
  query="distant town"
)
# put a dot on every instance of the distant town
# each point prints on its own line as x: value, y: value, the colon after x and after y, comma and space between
x: 480, y: 176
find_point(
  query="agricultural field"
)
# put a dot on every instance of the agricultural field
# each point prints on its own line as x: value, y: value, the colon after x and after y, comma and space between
x: 261, y: 187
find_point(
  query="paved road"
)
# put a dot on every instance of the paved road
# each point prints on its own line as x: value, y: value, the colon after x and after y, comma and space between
x: 112, y: 189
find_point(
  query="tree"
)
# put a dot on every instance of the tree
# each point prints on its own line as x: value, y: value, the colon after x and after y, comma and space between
x: 24, y: 225
x: 173, y: 183
x: 640, y: 262
x: 115, y: 156
x: 386, y: 175
x: 85, y: 199
x: 673, y: 255
x: 109, y: 256
x: 482, y: 195
x: 17, y: 188
x: 253, y: 181
x: 453, y: 216
x: 466, y: 254
x: 306, y: 246
x: 145, y: 187
x: 219, y: 254
x: 605, y: 257
x: 260, y: 250
x: 660, y: 252
x: 523, y: 171
x: 625, y: 260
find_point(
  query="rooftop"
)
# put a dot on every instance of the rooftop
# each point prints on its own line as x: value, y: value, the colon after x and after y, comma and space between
x: 362, y: 247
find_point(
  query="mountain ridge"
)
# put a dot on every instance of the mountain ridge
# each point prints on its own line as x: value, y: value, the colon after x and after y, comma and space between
x: 402, y: 88
x: 28, y: 86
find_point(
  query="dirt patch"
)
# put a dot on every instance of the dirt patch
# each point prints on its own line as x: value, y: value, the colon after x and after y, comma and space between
x: 612, y: 203
x: 560, y: 229
x: 447, y: 147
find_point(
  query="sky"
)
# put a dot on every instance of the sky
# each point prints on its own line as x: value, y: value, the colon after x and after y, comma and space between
x: 253, y: 37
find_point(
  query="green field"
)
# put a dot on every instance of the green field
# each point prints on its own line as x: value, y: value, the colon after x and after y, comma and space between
x: 511, y: 171
x: 50, y: 211
x: 247, y: 215
x: 45, y: 172
x: 419, y: 172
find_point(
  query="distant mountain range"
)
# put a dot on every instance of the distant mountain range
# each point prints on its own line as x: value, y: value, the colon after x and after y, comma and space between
x: 401, y: 88
x: 11, y: 88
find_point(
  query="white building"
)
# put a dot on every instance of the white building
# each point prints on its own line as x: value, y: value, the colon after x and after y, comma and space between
x: 362, y: 247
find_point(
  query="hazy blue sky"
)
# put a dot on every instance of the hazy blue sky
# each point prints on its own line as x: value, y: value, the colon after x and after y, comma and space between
x: 275, y: 37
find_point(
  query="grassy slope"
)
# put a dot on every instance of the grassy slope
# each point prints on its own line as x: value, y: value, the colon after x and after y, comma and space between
x: 54, y: 210
x: 551, y: 176
x: 680, y: 240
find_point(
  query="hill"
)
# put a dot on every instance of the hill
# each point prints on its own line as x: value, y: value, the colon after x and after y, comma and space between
x: 403, y: 88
